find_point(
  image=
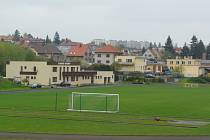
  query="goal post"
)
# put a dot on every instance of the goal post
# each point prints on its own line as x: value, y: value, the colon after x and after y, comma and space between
x: 94, y: 102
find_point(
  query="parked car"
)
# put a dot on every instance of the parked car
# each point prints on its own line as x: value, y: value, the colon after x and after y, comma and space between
x: 64, y: 84
x: 36, y: 86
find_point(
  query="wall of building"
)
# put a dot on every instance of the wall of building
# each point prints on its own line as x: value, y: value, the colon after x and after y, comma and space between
x: 103, y: 59
x: 41, y: 73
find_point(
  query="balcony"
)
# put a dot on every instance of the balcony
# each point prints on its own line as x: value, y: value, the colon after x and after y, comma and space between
x: 28, y: 73
x: 126, y: 63
x: 82, y: 73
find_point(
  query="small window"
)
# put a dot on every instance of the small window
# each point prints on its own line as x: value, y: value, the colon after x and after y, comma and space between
x: 107, y: 55
x: 83, y: 77
x: 107, y: 61
x: 119, y: 60
x: 177, y: 62
x: 99, y: 55
x: 72, y: 69
x: 77, y: 78
x: 21, y: 68
x: 101, y: 77
x: 183, y: 62
x: 32, y: 77
x: 189, y: 62
x: 67, y: 69
x: 129, y: 60
x: 73, y: 78
x: 25, y: 67
x: 54, y: 79
x: 171, y: 62
x: 54, y: 69
x: 34, y: 68
x: 99, y: 61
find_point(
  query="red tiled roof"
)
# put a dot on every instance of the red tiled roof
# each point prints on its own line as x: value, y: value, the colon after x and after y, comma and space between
x: 107, y: 49
x: 78, y: 50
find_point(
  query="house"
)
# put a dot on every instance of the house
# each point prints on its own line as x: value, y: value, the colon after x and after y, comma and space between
x: 5, y: 38
x: 187, y: 66
x: 45, y: 74
x: 154, y: 66
x: 153, y: 53
x: 49, y: 52
x: 106, y: 55
x: 131, y: 63
x: 66, y: 45
x: 80, y: 52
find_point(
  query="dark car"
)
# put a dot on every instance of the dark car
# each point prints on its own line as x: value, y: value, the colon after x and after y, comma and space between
x: 64, y: 84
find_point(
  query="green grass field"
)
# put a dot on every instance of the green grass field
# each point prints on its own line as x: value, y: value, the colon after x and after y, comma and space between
x: 35, y: 112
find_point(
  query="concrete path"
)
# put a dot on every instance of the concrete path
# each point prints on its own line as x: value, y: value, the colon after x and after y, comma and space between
x: 23, y: 136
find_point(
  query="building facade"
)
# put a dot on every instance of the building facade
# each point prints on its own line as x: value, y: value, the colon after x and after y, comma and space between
x: 105, y: 55
x: 41, y: 73
x: 131, y: 63
x: 187, y: 66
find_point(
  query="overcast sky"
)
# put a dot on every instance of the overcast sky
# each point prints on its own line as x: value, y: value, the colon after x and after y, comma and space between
x: 84, y: 20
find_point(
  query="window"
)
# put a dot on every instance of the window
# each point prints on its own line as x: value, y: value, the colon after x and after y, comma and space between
x: 177, y: 62
x: 101, y: 77
x: 171, y: 62
x: 72, y: 69
x: 96, y: 77
x: 21, y: 68
x: 77, y: 68
x: 119, y: 60
x: 67, y: 69
x: 183, y: 62
x: 64, y: 69
x: 189, y: 62
x: 25, y: 67
x: 129, y: 60
x: 54, y: 69
x: 77, y: 78
x: 99, y: 61
x: 73, y: 78
x: 107, y: 61
x: 99, y: 55
x: 54, y: 79
x: 107, y: 55
x: 35, y: 68
x: 32, y: 77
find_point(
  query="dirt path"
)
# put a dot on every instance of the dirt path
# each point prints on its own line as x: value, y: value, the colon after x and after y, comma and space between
x: 27, y: 136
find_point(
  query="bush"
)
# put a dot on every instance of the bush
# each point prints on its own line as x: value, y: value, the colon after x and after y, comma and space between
x: 200, y: 80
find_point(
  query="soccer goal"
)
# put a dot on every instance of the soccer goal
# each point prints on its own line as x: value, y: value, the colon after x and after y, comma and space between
x: 94, y: 102
x: 191, y: 85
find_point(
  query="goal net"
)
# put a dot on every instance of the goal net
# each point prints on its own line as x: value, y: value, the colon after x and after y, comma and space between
x: 94, y: 102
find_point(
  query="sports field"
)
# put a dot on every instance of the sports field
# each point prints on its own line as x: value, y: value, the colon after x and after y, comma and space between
x: 183, y: 111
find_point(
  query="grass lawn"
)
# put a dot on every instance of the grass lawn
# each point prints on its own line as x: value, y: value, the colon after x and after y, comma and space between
x: 35, y: 112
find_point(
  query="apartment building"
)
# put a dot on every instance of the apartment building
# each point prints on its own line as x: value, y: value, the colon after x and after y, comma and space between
x: 188, y: 66
x: 131, y: 63
x: 45, y: 74
x: 106, y: 55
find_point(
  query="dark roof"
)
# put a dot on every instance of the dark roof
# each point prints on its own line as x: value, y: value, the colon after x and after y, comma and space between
x: 46, y: 50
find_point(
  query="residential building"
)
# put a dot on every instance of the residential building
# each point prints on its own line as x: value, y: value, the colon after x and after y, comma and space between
x: 65, y: 46
x: 80, y: 52
x: 49, y: 52
x: 106, y: 55
x: 154, y: 66
x: 153, y: 53
x: 5, y: 38
x: 131, y: 63
x: 187, y: 66
x: 45, y: 74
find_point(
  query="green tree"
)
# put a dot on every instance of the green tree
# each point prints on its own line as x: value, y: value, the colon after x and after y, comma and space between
x: 193, y: 45
x: 159, y: 45
x: 57, y: 38
x: 200, y: 49
x: 169, y: 49
x: 208, y: 52
x: 185, y: 50
x: 143, y: 50
x: 16, y: 36
x: 47, y: 40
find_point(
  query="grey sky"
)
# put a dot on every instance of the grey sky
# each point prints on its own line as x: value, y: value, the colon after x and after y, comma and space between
x: 84, y: 20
